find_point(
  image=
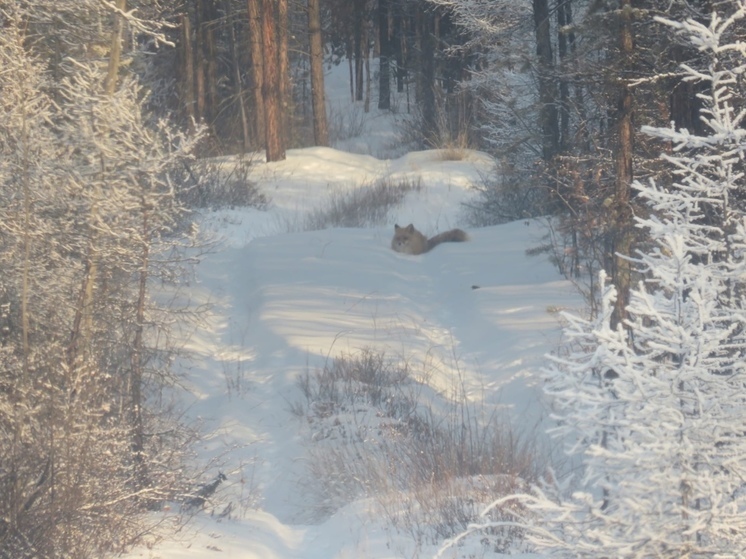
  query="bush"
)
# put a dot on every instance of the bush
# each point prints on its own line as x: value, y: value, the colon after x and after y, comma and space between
x: 213, y: 184
x: 346, y: 125
x: 506, y: 196
x: 431, y: 465
x: 366, y: 206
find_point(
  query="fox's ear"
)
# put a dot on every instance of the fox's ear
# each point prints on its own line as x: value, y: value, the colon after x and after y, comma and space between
x: 410, y: 227
x: 396, y: 227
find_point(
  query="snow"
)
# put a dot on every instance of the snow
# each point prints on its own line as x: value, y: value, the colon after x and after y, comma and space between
x: 282, y: 301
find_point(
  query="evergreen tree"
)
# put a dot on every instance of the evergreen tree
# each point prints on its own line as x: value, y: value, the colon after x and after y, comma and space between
x: 654, y: 406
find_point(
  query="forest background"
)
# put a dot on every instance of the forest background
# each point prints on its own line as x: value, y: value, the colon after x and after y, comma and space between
x: 112, y: 110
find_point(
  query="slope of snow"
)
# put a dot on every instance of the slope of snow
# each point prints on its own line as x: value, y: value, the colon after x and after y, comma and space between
x: 310, y: 177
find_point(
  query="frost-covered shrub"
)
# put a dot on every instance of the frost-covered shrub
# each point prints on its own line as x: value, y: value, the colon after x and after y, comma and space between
x: 215, y: 183
x: 365, y: 206
x: 87, y: 447
x: 505, y: 196
x: 431, y: 464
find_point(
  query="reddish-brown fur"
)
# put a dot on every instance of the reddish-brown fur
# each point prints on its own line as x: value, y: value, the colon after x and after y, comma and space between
x: 410, y: 241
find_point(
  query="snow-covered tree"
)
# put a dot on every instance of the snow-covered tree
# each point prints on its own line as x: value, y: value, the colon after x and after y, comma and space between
x: 654, y: 409
x: 87, y: 210
x: 502, y: 32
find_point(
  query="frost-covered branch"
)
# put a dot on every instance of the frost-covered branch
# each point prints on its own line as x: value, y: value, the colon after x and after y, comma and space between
x: 654, y: 411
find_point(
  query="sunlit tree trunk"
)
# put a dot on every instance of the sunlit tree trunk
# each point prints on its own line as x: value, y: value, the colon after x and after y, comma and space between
x: 211, y: 60
x: 257, y: 69
x: 237, y: 78
x: 199, y: 62
x: 622, y: 218
x: 82, y: 326
x: 286, y: 91
x: 547, y: 84
x: 115, y: 52
x: 318, y: 97
x: 188, y: 58
x: 274, y: 146
x: 565, y: 42
x: 426, y: 75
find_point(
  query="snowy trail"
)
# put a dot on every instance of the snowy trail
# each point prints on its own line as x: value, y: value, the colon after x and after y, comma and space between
x: 477, y: 315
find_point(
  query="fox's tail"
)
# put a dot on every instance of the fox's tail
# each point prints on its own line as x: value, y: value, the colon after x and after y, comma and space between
x: 452, y: 236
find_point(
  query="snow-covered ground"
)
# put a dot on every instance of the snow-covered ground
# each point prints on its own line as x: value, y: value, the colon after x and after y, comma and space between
x: 284, y: 302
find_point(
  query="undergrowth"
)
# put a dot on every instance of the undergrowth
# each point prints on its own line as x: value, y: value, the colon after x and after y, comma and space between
x: 506, y: 196
x: 432, y: 464
x: 213, y: 184
x: 366, y: 206
x: 346, y: 125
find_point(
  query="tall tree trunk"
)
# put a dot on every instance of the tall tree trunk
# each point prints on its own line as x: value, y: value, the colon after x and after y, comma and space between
x: 685, y: 105
x: 199, y: 66
x: 384, y: 82
x: 547, y: 86
x: 358, y: 39
x: 426, y: 76
x: 352, y: 75
x: 27, y: 204
x: 136, y: 357
x: 366, y: 58
x: 622, y: 226
x: 400, y: 43
x: 286, y: 93
x: 246, y: 134
x: 318, y: 98
x: 257, y: 70
x: 564, y: 40
x: 211, y: 61
x: 115, y: 53
x: 82, y: 327
x: 274, y: 146
x: 188, y: 57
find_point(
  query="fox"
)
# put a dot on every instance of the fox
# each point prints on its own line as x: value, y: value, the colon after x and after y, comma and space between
x: 409, y: 240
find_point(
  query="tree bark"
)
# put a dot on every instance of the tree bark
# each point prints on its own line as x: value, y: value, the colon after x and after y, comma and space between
x: 358, y: 39
x: 318, y: 97
x: 564, y: 41
x: 257, y: 69
x: 622, y: 227
x: 136, y: 357
x: 211, y: 62
x: 82, y: 328
x: 547, y: 87
x: 400, y: 44
x: 426, y: 76
x: 366, y: 58
x: 685, y: 105
x: 27, y: 204
x: 384, y: 82
x: 352, y: 77
x: 274, y: 146
x: 115, y: 53
x: 199, y: 66
x: 188, y: 53
x: 246, y: 134
x: 286, y: 95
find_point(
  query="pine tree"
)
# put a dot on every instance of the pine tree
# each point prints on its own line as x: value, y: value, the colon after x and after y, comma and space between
x: 654, y: 406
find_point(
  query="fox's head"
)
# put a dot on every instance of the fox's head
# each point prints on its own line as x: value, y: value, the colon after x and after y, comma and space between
x: 402, y: 237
